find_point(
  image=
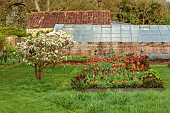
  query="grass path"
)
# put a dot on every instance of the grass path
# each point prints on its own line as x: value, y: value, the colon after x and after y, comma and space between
x: 21, y: 93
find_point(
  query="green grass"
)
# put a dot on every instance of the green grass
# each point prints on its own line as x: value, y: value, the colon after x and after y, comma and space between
x: 21, y: 93
x: 77, y: 58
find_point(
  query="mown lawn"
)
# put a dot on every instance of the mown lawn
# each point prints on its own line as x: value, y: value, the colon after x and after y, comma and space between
x: 21, y: 93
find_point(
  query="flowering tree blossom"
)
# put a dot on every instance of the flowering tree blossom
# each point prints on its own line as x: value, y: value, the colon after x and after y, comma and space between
x: 46, y: 49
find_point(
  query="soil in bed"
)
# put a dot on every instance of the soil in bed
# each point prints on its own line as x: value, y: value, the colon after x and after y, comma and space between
x: 160, y: 61
x: 124, y: 89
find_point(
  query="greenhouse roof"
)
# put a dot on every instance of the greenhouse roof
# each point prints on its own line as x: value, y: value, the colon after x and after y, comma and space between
x: 117, y: 32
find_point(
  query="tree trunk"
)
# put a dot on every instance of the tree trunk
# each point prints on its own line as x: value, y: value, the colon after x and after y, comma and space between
x: 36, y: 5
x: 38, y: 72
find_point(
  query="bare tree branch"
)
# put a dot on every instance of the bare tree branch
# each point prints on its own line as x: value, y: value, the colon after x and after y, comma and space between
x: 37, y: 5
x: 48, y: 5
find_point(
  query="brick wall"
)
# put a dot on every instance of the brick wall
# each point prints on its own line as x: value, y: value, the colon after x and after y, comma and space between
x: 87, y: 48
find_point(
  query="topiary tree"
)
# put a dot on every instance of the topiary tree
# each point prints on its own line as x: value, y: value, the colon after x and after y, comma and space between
x: 45, y: 49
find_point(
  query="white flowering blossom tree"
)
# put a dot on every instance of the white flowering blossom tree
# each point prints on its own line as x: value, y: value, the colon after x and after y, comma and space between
x: 46, y: 49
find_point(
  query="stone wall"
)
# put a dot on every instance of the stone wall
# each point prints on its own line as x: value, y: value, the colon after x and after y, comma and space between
x: 11, y: 40
x: 87, y: 48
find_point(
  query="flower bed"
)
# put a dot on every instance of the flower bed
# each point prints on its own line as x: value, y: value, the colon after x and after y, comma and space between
x: 118, y: 71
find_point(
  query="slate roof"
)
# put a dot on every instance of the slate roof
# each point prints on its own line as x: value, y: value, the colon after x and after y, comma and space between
x: 49, y: 19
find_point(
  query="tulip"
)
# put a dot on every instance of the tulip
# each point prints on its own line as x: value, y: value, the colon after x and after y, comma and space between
x: 113, y: 72
x: 123, y: 82
x: 122, y: 65
x: 135, y: 80
x: 106, y: 72
x: 138, y: 63
x: 95, y: 82
x: 97, y: 69
x: 85, y: 80
x: 113, y: 68
x: 100, y: 66
x: 114, y: 65
x: 87, y: 61
x: 134, y: 67
x: 114, y: 81
x: 142, y: 67
x: 119, y: 71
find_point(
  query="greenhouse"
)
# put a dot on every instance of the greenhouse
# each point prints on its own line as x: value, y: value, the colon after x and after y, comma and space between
x: 117, y: 32
x: 94, y: 30
x: 120, y: 38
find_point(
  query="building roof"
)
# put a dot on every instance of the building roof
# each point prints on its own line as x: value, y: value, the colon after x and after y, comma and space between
x: 49, y: 19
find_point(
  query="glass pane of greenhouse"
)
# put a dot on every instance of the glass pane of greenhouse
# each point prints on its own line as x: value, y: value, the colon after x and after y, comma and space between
x: 106, y: 39
x: 68, y: 26
x: 154, y: 27
x: 116, y: 40
x: 126, y: 40
x: 136, y: 39
x: 69, y: 30
x: 163, y: 27
x: 164, y: 31
x: 87, y: 27
x: 166, y: 39
x: 116, y: 35
x: 87, y: 32
x: 136, y: 35
x: 166, y: 36
x: 96, y: 39
x: 134, y: 27
x: 125, y: 27
x: 135, y: 31
x: 154, y: 32
x: 106, y: 30
x: 117, y: 32
x: 58, y: 27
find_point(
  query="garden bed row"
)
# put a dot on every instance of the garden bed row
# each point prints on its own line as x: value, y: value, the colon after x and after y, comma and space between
x: 155, y: 61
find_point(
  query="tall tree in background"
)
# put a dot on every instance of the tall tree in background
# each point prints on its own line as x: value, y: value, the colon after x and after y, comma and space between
x: 2, y: 12
x: 130, y: 11
x: 16, y: 15
x: 12, y: 13
x: 140, y: 12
